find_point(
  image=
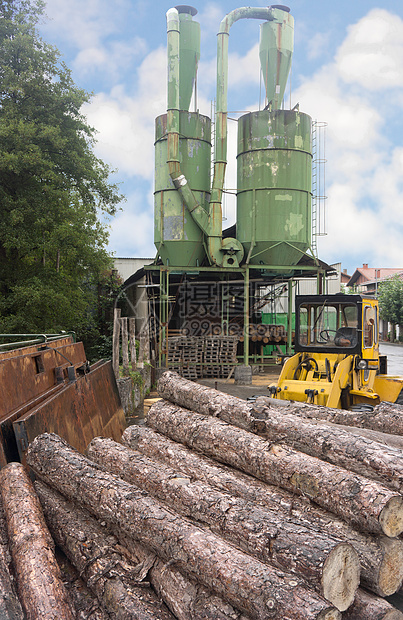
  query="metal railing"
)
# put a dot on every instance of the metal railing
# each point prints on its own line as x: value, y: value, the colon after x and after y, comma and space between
x: 25, y: 340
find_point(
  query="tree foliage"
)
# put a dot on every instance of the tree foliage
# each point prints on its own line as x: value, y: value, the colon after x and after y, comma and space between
x: 53, y: 189
x: 391, y: 300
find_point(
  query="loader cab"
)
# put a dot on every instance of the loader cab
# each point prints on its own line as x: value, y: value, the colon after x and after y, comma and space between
x: 344, y: 324
x: 336, y: 361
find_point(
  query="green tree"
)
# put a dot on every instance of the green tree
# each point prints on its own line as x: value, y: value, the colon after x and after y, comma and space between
x: 55, y: 194
x: 391, y: 301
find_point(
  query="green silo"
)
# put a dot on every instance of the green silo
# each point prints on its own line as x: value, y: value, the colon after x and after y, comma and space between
x: 274, y: 186
x: 182, y: 151
x: 179, y: 240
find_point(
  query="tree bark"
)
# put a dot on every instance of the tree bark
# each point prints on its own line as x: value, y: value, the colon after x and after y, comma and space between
x: 334, y: 445
x: 381, y: 558
x: 205, y: 400
x: 385, y: 418
x: 187, y: 599
x: 330, y: 566
x: 40, y: 587
x: 10, y: 606
x: 370, y: 607
x: 364, y: 503
x: 85, y: 603
x: 249, y: 585
x: 279, y: 425
x: 97, y: 557
x: 393, y: 441
x: 196, y: 603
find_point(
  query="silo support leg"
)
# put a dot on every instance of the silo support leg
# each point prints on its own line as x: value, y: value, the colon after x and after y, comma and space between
x: 246, y: 318
x: 289, y: 317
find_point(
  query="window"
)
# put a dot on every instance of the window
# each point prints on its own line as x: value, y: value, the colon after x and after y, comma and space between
x: 369, y: 326
x: 328, y: 325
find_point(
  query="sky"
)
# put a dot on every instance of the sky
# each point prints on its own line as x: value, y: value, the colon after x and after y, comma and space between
x: 347, y: 73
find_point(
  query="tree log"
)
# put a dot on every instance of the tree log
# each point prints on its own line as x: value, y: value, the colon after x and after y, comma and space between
x: 99, y: 560
x: 370, y: 607
x: 334, y: 445
x: 10, y: 606
x: 330, y: 566
x: 367, y: 504
x: 247, y: 584
x: 303, y: 411
x: 187, y: 599
x: 40, y: 587
x: 381, y: 558
x: 205, y: 400
x: 85, y: 604
x: 385, y: 418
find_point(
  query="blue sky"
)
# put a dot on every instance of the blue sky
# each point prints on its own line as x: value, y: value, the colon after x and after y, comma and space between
x: 347, y: 72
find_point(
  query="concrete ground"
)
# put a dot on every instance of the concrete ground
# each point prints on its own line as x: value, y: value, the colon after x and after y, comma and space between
x: 260, y: 383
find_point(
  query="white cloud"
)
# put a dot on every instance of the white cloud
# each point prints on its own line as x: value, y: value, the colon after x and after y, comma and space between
x: 88, y: 22
x: 372, y: 54
x: 210, y: 18
x: 126, y: 123
x: 364, y: 169
x: 317, y: 44
x: 109, y: 57
x: 353, y: 121
x: 132, y: 232
x: 244, y: 70
x: 387, y: 184
x: 95, y: 34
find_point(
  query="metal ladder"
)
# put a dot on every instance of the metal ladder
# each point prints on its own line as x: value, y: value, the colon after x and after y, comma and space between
x: 318, y: 183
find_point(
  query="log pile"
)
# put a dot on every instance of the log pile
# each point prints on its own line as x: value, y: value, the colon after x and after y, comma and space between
x: 218, y: 509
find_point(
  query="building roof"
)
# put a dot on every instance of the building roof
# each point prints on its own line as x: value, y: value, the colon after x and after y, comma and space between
x: 373, y: 274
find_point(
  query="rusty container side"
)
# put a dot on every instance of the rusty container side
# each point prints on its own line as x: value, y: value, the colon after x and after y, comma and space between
x: 27, y: 375
x: 83, y: 409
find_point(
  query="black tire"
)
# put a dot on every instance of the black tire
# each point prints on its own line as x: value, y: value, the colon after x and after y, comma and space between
x: 399, y: 399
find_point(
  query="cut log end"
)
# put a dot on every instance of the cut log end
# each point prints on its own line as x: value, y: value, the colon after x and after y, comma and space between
x: 341, y: 576
x: 391, y: 517
x: 391, y: 570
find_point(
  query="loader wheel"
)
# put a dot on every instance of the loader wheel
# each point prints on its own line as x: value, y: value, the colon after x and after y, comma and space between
x: 399, y: 399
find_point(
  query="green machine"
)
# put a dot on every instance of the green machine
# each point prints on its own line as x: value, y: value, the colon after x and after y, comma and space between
x: 179, y: 239
x: 274, y: 186
x: 274, y: 156
x: 275, y: 161
x: 182, y: 150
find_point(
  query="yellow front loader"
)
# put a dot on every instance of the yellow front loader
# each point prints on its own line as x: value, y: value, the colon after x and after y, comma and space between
x: 337, y: 362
